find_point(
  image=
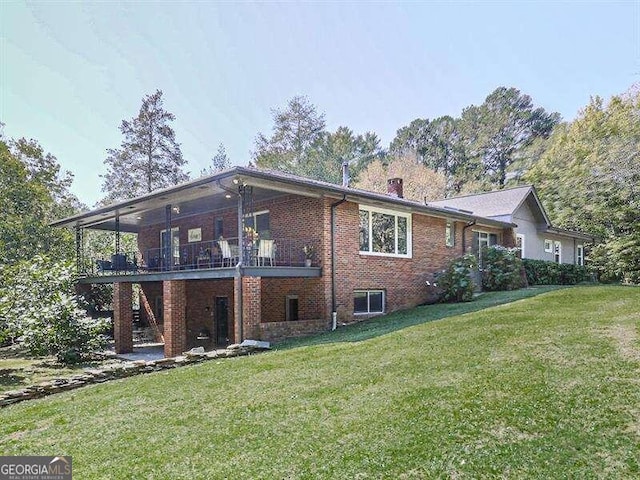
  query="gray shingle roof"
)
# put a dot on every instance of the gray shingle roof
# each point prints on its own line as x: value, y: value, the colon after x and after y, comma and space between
x: 491, y: 204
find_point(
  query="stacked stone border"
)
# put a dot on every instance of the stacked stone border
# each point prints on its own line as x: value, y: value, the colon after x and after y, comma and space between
x: 114, y: 372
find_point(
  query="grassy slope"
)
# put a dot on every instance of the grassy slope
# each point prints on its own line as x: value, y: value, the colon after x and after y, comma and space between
x: 545, y: 387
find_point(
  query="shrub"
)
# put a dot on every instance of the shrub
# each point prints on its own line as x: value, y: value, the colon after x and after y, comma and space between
x: 38, y: 304
x: 541, y: 272
x: 501, y: 268
x: 456, y: 282
x: 617, y: 259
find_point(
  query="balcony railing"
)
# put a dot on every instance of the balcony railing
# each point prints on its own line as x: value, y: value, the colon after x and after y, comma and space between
x: 224, y: 253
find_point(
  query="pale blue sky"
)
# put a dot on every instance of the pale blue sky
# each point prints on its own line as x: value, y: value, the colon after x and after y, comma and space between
x: 70, y: 72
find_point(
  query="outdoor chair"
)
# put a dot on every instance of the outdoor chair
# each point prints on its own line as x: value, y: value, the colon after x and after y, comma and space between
x: 266, y: 253
x: 228, y: 255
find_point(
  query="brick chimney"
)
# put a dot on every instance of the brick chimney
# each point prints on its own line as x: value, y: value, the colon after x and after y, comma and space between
x: 394, y: 187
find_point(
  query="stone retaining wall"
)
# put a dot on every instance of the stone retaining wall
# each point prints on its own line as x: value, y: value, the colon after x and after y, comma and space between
x: 114, y: 372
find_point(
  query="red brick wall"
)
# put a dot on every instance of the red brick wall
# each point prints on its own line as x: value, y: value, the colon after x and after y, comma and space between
x: 290, y: 217
x: 200, y: 310
x: 251, y: 306
x: 311, y: 300
x: 277, y: 331
x: 175, y: 324
x: 402, y: 279
x: 122, y: 317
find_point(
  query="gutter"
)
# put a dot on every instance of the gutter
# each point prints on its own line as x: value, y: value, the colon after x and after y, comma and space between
x: 334, y: 306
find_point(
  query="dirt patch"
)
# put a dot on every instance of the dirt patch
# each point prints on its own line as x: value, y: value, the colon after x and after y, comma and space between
x: 626, y: 338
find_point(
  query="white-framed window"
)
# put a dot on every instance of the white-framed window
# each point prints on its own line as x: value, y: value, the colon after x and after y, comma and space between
x: 259, y: 221
x: 580, y: 255
x: 385, y: 232
x: 291, y: 308
x: 368, y: 301
x: 548, y: 246
x: 557, y: 251
x: 520, y: 245
x: 173, y: 243
x: 450, y: 234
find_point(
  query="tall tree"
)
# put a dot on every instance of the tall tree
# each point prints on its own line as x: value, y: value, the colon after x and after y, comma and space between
x: 33, y: 192
x: 149, y: 157
x: 438, y: 145
x: 295, y: 130
x: 300, y: 144
x: 589, y: 177
x: 498, y: 131
x: 410, y: 139
x: 326, y: 155
x: 219, y: 162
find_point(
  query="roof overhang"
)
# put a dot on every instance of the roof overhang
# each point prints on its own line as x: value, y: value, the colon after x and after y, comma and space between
x: 221, y: 190
x: 568, y: 233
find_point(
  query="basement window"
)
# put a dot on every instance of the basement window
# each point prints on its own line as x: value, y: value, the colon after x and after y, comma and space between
x: 368, y: 301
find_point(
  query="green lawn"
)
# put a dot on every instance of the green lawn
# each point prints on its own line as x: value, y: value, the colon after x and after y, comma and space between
x: 544, y: 387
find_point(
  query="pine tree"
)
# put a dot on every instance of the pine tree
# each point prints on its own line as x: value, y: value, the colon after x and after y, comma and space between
x: 219, y: 162
x: 149, y: 156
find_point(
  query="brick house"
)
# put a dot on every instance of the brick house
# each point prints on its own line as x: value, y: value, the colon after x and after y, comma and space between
x: 223, y: 258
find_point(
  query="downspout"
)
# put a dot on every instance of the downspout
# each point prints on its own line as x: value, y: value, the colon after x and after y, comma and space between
x: 464, y: 230
x: 334, y: 306
x: 239, y: 272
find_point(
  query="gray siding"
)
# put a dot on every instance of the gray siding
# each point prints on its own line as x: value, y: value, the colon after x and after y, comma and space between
x: 534, y: 241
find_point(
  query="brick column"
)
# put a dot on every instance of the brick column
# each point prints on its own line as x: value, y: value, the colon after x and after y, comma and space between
x: 122, y: 317
x: 251, y: 306
x: 175, y: 322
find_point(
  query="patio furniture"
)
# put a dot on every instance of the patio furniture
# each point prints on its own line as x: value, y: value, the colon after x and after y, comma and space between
x: 266, y: 253
x: 229, y: 256
x: 104, y: 265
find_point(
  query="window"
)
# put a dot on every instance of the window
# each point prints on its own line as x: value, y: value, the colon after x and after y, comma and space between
x: 368, y: 301
x: 520, y: 245
x: 483, y: 239
x: 450, y: 234
x: 383, y: 232
x: 557, y: 251
x: 218, y: 231
x: 171, y: 244
x: 548, y: 246
x: 580, y: 255
x: 259, y: 221
x: 291, y: 308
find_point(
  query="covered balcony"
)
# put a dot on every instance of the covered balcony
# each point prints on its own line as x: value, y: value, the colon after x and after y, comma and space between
x: 230, y: 224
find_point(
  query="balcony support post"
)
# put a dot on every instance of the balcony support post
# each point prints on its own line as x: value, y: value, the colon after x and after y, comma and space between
x: 168, y: 246
x: 117, y: 235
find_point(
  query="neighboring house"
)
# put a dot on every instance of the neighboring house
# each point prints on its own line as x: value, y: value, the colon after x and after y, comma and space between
x: 222, y: 258
x: 535, y: 236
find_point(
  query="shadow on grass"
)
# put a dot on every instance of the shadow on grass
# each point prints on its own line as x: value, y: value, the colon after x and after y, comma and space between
x: 9, y: 379
x: 384, y: 324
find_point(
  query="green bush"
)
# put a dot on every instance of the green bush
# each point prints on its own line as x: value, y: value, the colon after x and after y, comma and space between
x: 617, y: 259
x: 541, y: 272
x: 39, y: 306
x: 501, y: 268
x: 455, y: 282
